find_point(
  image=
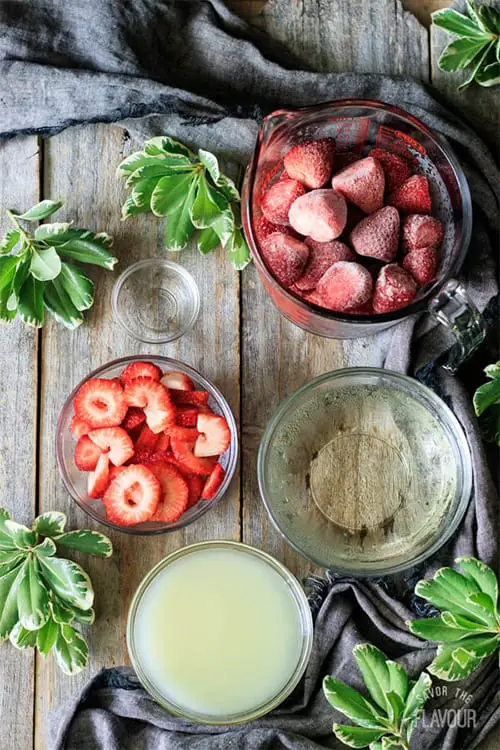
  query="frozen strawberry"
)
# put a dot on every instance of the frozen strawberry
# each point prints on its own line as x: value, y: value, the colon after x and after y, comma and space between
x: 100, y: 403
x: 98, y: 481
x: 377, y: 236
x: 132, y: 497
x: 322, y: 255
x: 320, y: 214
x: 195, y: 486
x: 213, y: 483
x: 183, y: 453
x: 263, y: 228
x: 362, y: 183
x: 140, y: 370
x: 186, y: 416
x: 420, y: 230
x: 178, y: 380
x: 413, y: 196
x: 154, y: 398
x: 79, y: 427
x: 343, y: 159
x: 285, y: 256
x: 174, y: 492
x: 394, y: 288
x: 163, y: 443
x: 215, y: 437
x: 114, y: 471
x: 422, y: 264
x: 278, y: 199
x: 133, y: 419
x: 396, y: 169
x: 311, y: 163
x: 115, y: 441
x: 147, y: 439
x: 87, y: 454
x: 345, y: 286
x: 313, y: 297
x: 198, y: 398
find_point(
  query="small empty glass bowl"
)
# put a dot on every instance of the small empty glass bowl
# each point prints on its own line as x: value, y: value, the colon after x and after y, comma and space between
x: 365, y: 471
x: 75, y: 480
x: 156, y: 301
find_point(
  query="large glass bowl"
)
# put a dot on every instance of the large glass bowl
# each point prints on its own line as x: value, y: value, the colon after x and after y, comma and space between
x: 75, y: 480
x: 359, y: 125
x: 296, y: 672
x: 365, y: 471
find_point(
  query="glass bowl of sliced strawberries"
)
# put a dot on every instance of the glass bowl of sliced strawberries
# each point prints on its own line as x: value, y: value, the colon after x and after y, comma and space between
x: 146, y: 445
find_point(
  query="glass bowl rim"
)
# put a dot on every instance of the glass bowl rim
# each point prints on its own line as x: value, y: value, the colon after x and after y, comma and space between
x: 302, y: 606
x: 451, y: 425
x: 208, y: 386
x: 459, y: 174
x: 186, y: 276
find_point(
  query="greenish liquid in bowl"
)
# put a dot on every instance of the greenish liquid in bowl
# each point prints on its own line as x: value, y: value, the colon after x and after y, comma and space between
x: 361, y: 476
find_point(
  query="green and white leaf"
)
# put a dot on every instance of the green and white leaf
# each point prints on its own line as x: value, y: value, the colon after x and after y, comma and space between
x: 45, y: 264
x: 46, y: 637
x: 47, y: 548
x: 489, y: 393
x: 224, y: 226
x: 237, y: 247
x: 22, y: 536
x: 85, y: 540
x: 179, y: 225
x: 226, y: 186
x: 130, y: 209
x: 142, y: 192
x: 443, y: 630
x: 161, y: 168
x: 10, y: 558
x: 86, y: 616
x: 41, y: 210
x: 450, y: 664
x: 481, y: 574
x: 351, y: 703
x: 86, y: 247
x: 45, y: 232
x: 59, y: 304
x: 9, y: 241
x: 372, y: 665
x: 490, y: 18
x: 459, y: 54
x: 205, y: 211
x: 30, y: 305
x: 356, y: 736
x: 398, y: 679
x: 8, y: 266
x: 32, y: 598
x: 22, y: 272
x: 163, y: 144
x: 9, y: 584
x: 51, y: 523
x: 210, y: 163
x: 170, y: 192
x: 456, y: 23
x: 207, y: 241
x: 135, y: 161
x: 6, y: 539
x: 61, y: 613
x: 417, y: 698
x: 72, y: 657
x: 22, y: 638
x: 79, y: 288
x: 68, y: 581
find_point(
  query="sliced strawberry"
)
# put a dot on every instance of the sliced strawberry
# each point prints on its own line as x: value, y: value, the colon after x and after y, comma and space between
x: 195, y: 485
x: 86, y: 454
x: 163, y: 443
x: 178, y: 380
x: 413, y: 196
x: 114, y: 471
x: 79, y: 427
x: 140, y: 370
x: 188, y: 434
x: 189, y: 397
x: 174, y: 492
x: 116, y: 442
x: 147, y: 456
x: 215, y: 437
x: 133, y: 419
x: 183, y: 453
x: 100, y: 403
x: 98, y: 480
x: 147, y: 439
x: 132, y: 497
x: 186, y: 416
x: 154, y: 398
x: 214, y: 481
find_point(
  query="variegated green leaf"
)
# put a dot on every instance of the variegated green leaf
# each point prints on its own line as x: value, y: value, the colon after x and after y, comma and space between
x: 22, y: 638
x: 481, y: 574
x: 22, y: 536
x: 355, y: 736
x: 351, y: 703
x: 61, y: 613
x: 9, y: 584
x: 71, y: 656
x: 163, y: 144
x: 47, y: 548
x: 41, y: 210
x: 46, y: 637
x: 32, y: 598
x: 51, y: 523
x: 10, y: 240
x: 85, y: 540
x: 68, y: 581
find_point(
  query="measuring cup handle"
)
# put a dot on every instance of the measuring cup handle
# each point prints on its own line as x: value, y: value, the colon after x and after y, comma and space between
x: 453, y: 308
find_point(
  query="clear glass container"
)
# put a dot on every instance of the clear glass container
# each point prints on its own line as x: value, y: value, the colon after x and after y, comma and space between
x: 75, y: 480
x: 296, y: 670
x: 156, y: 301
x: 358, y: 125
x: 365, y: 471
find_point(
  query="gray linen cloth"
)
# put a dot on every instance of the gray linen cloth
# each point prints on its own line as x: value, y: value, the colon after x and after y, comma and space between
x: 197, y: 72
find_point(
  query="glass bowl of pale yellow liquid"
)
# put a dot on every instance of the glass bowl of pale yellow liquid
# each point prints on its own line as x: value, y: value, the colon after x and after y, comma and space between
x: 219, y: 632
x: 365, y: 471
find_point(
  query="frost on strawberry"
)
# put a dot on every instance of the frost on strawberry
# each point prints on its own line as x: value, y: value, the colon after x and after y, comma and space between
x: 394, y: 288
x: 345, y: 286
x: 277, y: 201
x: 362, y: 183
x: 377, y: 236
x: 396, y: 168
x: 311, y: 163
x: 285, y: 256
x: 421, y: 230
x: 320, y: 214
x: 422, y: 263
x: 322, y: 255
x: 413, y: 196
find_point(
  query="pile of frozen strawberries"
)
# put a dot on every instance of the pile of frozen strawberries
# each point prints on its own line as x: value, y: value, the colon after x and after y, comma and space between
x: 150, y: 442
x: 349, y: 234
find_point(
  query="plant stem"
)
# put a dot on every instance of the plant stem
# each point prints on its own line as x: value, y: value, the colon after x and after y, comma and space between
x: 18, y: 226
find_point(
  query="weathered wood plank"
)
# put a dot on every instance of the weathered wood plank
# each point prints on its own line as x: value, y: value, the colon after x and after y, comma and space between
x: 19, y: 189
x: 277, y: 356
x: 479, y: 106
x: 80, y: 165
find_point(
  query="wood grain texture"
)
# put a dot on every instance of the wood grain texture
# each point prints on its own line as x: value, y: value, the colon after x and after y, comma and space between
x: 277, y: 356
x: 479, y: 106
x: 80, y: 164
x: 19, y: 186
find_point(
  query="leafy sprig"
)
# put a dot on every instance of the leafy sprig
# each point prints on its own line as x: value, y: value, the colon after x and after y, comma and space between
x: 170, y: 180
x: 468, y: 627
x: 386, y: 720
x: 37, y: 269
x: 44, y: 596
x: 477, y: 46
x: 487, y: 404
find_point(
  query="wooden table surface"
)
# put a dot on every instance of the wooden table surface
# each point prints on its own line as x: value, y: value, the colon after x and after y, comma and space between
x: 240, y: 342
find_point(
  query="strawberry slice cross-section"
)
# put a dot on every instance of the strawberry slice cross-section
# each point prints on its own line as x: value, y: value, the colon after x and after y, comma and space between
x: 178, y: 380
x: 116, y: 442
x: 86, y: 454
x: 154, y: 398
x: 99, y: 479
x: 213, y: 483
x: 100, y: 403
x: 140, y: 370
x: 215, y: 437
x: 189, y: 463
x: 133, y: 496
x: 174, y: 492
